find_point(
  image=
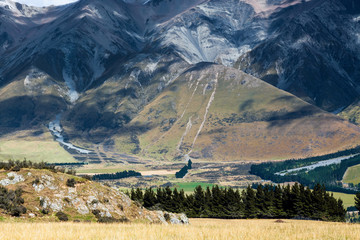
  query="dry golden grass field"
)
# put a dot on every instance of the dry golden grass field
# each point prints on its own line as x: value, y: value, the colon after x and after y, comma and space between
x: 199, y: 229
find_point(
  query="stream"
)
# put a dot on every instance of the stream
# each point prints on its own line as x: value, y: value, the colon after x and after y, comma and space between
x: 56, y: 131
x: 316, y: 165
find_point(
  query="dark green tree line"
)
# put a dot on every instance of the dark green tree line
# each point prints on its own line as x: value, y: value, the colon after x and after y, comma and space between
x: 117, y: 175
x: 267, y: 201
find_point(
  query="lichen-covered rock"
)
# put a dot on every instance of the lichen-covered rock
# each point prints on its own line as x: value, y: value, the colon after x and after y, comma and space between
x: 184, y: 219
x: 55, y: 205
x: 12, y: 178
x: 160, y: 215
x: 38, y: 187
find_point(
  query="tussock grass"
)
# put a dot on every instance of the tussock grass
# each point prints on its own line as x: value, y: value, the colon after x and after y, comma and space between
x: 199, y: 229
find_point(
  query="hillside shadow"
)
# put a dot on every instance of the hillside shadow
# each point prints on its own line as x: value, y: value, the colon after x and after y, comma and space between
x: 283, y: 99
x: 25, y: 112
x: 248, y: 104
x: 280, y: 119
x: 200, y: 66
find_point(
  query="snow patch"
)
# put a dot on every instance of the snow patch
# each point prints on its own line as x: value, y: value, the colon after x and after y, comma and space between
x: 90, y: 11
x: 264, y: 8
x: 151, y: 67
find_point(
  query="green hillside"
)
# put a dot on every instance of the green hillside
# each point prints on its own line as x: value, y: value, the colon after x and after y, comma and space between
x: 221, y: 114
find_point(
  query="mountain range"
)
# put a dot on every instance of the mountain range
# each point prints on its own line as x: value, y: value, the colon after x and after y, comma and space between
x: 167, y: 79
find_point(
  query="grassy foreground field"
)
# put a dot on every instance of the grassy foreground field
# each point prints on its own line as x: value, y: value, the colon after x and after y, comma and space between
x: 199, y: 229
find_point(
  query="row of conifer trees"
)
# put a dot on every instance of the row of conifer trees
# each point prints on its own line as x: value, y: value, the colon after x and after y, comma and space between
x: 267, y: 201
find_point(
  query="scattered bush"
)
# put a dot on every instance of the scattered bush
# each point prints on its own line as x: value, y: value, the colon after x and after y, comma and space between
x: 45, y: 211
x: 18, y: 165
x: 87, y: 177
x: 42, y: 202
x: 36, y: 181
x: 16, y: 168
x: 96, y: 212
x: 62, y: 216
x: 11, y: 201
x: 71, y: 172
x: 16, y: 211
x: 121, y: 207
x: 70, y: 182
x: 105, y: 219
x: 167, y: 217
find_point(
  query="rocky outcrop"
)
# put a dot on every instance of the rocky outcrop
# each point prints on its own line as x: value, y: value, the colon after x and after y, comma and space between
x: 46, y: 193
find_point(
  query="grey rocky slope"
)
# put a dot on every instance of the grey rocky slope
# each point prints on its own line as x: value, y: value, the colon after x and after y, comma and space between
x: 309, y: 48
x: 99, y: 63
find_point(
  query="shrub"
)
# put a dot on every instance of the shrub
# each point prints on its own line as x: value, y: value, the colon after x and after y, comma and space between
x: 106, y: 220
x: 62, y: 216
x: 70, y: 182
x: 36, y: 181
x: 16, y: 168
x: 112, y: 220
x: 18, y: 165
x: 121, y: 207
x: 71, y: 172
x: 96, y: 212
x: 45, y: 211
x: 167, y: 217
x: 42, y: 202
x: 87, y: 177
x: 16, y: 211
x: 11, y: 201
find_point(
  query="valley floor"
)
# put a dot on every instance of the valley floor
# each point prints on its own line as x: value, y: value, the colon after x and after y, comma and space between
x: 198, y: 229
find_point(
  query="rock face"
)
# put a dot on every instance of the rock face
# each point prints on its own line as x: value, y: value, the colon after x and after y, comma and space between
x: 282, y: 42
x: 46, y: 193
x: 99, y: 64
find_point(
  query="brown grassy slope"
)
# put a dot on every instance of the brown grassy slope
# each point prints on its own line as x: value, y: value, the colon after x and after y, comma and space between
x: 242, y: 118
x: 198, y: 229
